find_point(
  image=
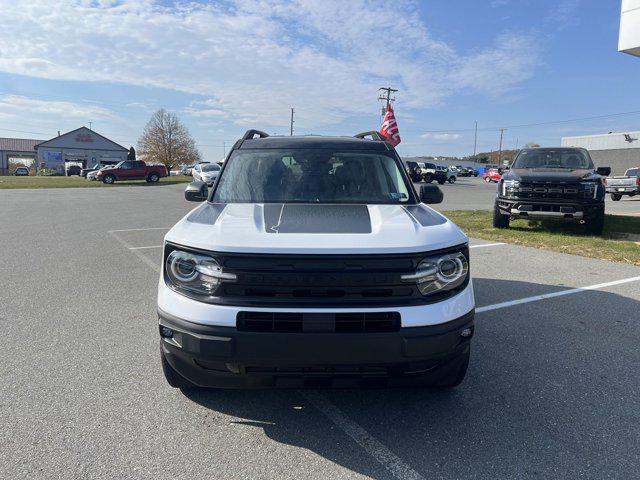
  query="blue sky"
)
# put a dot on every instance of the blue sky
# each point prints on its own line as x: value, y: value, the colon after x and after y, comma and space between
x: 227, y: 66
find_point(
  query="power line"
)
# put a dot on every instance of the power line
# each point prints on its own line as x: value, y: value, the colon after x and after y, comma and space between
x: 526, y: 125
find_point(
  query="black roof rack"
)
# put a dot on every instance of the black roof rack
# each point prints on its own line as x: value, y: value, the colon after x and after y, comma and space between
x: 250, y: 134
x: 373, y: 134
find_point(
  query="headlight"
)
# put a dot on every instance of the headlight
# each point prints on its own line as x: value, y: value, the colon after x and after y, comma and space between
x: 589, y: 189
x: 194, y: 273
x: 509, y: 187
x: 439, y: 273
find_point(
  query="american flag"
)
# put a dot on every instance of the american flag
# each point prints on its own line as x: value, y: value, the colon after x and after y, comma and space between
x: 389, y: 127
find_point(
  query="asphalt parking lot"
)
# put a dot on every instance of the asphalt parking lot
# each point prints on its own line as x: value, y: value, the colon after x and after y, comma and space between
x: 552, y: 390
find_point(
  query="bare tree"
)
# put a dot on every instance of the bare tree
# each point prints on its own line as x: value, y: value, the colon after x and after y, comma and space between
x: 166, y: 140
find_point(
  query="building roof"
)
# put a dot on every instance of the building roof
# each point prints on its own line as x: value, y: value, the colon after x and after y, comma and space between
x: 607, y: 141
x: 116, y: 146
x: 19, y: 144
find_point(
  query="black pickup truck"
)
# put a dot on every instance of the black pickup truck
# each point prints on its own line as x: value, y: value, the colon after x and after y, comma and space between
x: 559, y: 183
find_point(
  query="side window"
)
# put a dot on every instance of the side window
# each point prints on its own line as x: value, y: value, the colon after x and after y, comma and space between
x: 126, y: 165
x: 138, y: 164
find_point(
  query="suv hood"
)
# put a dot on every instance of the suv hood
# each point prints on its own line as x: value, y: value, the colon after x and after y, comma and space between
x: 550, y: 175
x: 315, y: 228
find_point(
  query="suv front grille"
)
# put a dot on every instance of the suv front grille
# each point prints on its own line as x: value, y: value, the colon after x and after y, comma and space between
x: 542, y: 190
x: 285, y: 322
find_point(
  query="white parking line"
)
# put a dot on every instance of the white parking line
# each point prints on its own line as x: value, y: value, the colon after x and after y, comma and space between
x: 370, y: 444
x: 140, y: 229
x: 140, y: 255
x: 561, y: 293
x: 142, y: 248
x: 487, y: 245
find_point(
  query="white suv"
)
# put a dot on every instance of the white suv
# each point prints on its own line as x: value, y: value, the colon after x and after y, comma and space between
x: 313, y: 262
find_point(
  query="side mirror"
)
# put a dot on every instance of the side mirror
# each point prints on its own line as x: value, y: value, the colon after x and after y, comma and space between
x: 431, y: 194
x: 196, y: 192
x: 604, y: 171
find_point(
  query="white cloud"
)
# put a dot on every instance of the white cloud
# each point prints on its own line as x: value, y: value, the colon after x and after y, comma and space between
x: 12, y: 105
x: 257, y: 58
x: 441, y: 137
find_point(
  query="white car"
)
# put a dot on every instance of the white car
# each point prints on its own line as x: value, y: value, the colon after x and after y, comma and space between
x: 300, y: 270
x: 206, y: 172
x: 93, y: 175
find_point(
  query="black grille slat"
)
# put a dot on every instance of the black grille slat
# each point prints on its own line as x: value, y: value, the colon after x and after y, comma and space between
x: 542, y: 190
x: 284, y: 322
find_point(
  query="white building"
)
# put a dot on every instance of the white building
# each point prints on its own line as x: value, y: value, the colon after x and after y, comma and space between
x: 616, y: 150
x: 629, y: 40
x: 82, y: 147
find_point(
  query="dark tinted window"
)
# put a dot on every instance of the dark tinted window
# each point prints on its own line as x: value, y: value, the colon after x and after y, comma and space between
x: 312, y: 176
x: 566, y: 158
x: 632, y: 172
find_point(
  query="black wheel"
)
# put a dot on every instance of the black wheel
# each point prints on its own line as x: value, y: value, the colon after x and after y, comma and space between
x: 452, y: 179
x: 595, y: 225
x: 109, y: 179
x: 616, y: 197
x: 441, y: 181
x: 153, y: 177
x: 428, y: 178
x: 500, y: 220
x: 173, y: 378
x: 487, y: 179
x: 456, y: 376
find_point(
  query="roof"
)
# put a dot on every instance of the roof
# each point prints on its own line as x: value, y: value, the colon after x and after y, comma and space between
x: 19, y: 144
x: 44, y: 142
x: 314, y: 142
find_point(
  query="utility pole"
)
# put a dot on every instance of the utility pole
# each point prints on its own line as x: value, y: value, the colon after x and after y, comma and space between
x: 291, y: 126
x: 500, y: 150
x: 475, y: 142
x: 224, y: 149
x: 386, y: 97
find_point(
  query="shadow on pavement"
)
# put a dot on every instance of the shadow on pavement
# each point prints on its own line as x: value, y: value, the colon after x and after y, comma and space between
x: 552, y: 392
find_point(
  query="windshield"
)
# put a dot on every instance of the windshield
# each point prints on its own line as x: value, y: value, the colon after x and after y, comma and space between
x: 569, y: 158
x: 212, y: 167
x: 632, y: 172
x: 311, y: 176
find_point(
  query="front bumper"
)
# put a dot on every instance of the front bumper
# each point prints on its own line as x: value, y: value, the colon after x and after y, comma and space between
x: 551, y: 208
x: 212, y: 356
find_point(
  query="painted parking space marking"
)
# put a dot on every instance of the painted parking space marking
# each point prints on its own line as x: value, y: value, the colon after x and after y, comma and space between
x: 139, y: 254
x: 561, y: 293
x: 143, y: 248
x: 487, y: 245
x: 368, y: 442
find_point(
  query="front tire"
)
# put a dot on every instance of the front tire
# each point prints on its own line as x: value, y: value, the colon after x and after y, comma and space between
x: 616, y: 197
x: 487, y: 179
x: 109, y: 179
x: 500, y: 220
x: 452, y: 180
x: 595, y: 226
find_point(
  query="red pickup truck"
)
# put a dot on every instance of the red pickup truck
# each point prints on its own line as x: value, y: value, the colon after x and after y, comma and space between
x: 132, y: 170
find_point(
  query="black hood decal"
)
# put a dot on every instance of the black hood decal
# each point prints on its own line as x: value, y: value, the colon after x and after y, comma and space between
x: 207, y: 213
x: 424, y: 216
x: 316, y: 218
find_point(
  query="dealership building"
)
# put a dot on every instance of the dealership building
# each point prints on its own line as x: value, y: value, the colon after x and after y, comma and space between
x: 82, y: 147
x: 619, y: 151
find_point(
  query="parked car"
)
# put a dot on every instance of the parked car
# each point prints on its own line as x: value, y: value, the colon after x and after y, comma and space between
x: 132, y: 170
x: 492, y: 175
x: 414, y: 171
x: 74, y: 170
x: 431, y: 172
x: 627, y: 184
x: 467, y: 172
x: 313, y: 271
x: 559, y: 183
x: 450, y: 174
x: 206, y: 172
x: 21, y: 172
